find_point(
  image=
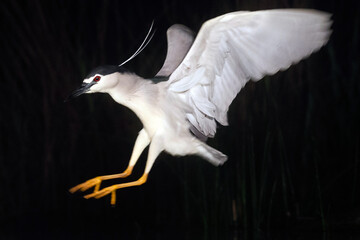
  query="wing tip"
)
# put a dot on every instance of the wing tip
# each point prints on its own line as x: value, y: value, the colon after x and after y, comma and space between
x: 177, y: 26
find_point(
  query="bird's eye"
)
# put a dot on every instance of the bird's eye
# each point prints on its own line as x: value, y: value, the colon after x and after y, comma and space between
x: 96, y: 79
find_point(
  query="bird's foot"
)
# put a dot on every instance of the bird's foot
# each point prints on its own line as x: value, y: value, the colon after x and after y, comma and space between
x: 112, y: 189
x: 97, y: 181
x: 88, y: 184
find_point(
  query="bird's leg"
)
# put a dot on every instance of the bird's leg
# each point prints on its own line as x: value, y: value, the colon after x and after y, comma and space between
x: 140, y: 144
x: 155, y: 148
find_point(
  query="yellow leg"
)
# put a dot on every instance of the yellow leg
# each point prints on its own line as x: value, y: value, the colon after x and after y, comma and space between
x: 141, y: 142
x: 97, y: 181
x: 112, y: 189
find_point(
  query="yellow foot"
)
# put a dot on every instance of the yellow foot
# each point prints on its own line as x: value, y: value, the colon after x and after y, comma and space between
x: 112, y: 189
x: 97, y: 181
x: 88, y: 184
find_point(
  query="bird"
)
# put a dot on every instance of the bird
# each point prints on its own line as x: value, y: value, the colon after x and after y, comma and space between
x: 183, y: 104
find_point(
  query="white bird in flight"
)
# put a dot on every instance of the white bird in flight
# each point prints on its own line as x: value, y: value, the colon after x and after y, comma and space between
x: 201, y: 79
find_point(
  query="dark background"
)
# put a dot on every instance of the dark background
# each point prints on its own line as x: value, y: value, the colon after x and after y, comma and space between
x: 293, y: 141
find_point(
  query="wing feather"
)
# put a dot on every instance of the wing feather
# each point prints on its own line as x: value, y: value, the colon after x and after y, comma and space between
x: 180, y: 39
x: 233, y: 48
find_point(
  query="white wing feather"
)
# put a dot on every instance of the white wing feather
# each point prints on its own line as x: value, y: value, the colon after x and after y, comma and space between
x: 179, y: 39
x: 233, y: 48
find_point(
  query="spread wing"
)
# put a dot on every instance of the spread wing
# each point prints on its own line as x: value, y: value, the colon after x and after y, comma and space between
x: 233, y: 48
x: 180, y: 39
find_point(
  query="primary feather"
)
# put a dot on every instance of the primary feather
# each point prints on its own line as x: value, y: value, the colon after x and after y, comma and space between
x: 233, y: 48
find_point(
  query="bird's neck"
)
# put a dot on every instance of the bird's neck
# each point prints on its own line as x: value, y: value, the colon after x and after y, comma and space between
x: 134, y: 92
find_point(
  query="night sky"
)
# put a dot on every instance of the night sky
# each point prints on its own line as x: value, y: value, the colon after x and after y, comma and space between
x: 293, y: 142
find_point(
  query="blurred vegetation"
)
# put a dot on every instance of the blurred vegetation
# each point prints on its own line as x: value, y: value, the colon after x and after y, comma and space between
x: 293, y: 140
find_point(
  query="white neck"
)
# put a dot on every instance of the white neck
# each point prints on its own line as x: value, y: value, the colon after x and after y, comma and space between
x: 135, y: 93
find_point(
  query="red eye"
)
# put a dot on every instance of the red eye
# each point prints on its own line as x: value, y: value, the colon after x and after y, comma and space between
x: 96, y: 79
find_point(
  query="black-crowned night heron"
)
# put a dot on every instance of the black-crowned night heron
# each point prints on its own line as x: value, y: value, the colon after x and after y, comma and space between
x: 203, y: 76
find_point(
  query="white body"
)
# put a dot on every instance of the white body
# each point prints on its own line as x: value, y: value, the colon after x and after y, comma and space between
x: 162, y: 113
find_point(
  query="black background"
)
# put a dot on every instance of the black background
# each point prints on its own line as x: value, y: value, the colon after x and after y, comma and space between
x: 293, y: 141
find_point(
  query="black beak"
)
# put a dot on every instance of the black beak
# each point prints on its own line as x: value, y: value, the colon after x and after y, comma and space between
x: 83, y: 89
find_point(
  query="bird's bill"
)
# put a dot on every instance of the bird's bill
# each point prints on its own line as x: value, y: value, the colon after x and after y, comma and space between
x: 85, y: 87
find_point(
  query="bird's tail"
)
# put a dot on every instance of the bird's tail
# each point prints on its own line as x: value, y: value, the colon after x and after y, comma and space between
x: 212, y: 155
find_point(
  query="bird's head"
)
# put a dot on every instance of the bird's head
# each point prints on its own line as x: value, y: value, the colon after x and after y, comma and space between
x: 100, y: 79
